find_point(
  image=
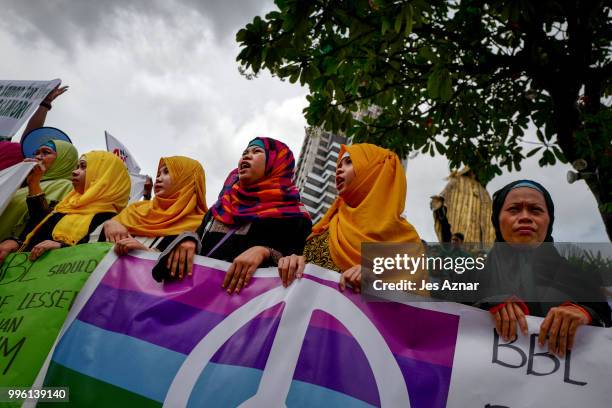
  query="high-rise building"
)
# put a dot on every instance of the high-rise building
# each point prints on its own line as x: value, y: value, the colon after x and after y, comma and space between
x: 315, y: 175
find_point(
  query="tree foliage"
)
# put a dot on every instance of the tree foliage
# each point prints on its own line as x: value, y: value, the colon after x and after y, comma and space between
x: 462, y: 78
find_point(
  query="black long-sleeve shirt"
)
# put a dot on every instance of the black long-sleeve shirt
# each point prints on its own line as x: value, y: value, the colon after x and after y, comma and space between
x: 38, y: 209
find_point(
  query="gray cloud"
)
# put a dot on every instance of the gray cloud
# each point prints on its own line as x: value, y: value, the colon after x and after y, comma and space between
x: 68, y: 23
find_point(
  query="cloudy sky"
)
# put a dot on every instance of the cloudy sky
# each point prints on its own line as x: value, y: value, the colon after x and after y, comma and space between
x: 161, y: 76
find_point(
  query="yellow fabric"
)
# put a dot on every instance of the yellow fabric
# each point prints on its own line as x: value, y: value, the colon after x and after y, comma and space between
x: 107, y: 189
x: 182, y: 210
x: 370, y: 210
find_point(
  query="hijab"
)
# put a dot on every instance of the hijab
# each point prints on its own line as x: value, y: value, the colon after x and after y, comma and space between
x: 182, y: 209
x: 273, y: 196
x: 370, y: 209
x: 499, y: 197
x: 107, y: 189
x: 55, y: 183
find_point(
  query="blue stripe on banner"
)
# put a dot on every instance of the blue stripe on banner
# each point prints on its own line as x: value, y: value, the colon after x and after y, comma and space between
x: 135, y: 365
x: 222, y: 385
x: 302, y: 394
x: 147, y: 369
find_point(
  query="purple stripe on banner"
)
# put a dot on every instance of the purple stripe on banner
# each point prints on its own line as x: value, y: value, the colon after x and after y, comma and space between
x: 336, y: 361
x: 250, y: 346
x: 410, y: 331
x: 151, y: 319
x: 201, y: 290
x: 428, y: 384
x: 328, y: 357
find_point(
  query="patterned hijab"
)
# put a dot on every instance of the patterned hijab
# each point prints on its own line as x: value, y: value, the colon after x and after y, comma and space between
x: 182, y: 210
x: 371, y: 207
x: 273, y: 196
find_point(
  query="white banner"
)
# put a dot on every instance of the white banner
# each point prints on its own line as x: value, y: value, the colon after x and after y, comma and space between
x: 116, y: 147
x: 19, y: 100
x: 419, y: 354
x: 10, y: 180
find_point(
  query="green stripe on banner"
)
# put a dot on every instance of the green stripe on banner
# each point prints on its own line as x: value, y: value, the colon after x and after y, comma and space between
x: 34, y: 301
x: 89, y: 392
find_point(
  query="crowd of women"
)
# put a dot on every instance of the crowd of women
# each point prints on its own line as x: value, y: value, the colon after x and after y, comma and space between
x: 258, y: 220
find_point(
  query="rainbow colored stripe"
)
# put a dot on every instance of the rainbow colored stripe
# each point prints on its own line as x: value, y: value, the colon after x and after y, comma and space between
x: 133, y: 335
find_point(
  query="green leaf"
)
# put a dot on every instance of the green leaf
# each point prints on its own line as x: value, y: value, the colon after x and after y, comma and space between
x: 559, y: 154
x: 398, y: 22
x: 385, y: 25
x: 409, y: 20
x: 445, y: 85
x: 533, y: 151
x: 432, y: 85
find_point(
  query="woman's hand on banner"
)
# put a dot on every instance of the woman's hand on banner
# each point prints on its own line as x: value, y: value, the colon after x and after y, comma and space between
x: 43, y: 247
x: 122, y: 247
x: 114, y: 231
x: 291, y: 267
x: 244, y: 266
x: 351, y: 276
x: 506, y: 319
x: 180, y: 260
x: 7, y: 247
x: 559, y: 326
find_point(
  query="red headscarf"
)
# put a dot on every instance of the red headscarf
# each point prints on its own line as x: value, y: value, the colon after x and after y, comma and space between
x: 274, y: 196
x: 10, y: 154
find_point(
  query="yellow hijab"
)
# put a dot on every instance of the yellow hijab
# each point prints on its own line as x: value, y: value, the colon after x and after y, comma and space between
x: 182, y: 210
x: 370, y: 210
x: 107, y: 189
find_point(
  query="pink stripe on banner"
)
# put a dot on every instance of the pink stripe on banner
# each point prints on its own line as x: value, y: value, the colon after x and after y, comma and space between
x: 200, y: 290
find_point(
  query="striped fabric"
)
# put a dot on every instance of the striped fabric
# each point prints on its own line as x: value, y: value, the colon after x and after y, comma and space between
x: 274, y: 196
x: 132, y: 336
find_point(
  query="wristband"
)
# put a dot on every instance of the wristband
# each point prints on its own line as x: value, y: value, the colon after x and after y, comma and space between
x: 45, y: 105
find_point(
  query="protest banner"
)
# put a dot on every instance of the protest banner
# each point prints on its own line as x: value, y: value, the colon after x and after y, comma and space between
x: 34, y: 302
x: 114, y: 146
x: 132, y: 340
x: 10, y: 180
x: 19, y: 100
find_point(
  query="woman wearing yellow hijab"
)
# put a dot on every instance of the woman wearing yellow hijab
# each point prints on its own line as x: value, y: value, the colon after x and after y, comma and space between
x: 101, y: 190
x: 371, y: 188
x: 179, y: 205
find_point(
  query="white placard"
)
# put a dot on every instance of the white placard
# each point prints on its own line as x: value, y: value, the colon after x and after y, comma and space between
x: 19, y: 100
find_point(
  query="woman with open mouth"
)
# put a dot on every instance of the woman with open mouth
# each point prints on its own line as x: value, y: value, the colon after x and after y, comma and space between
x: 371, y: 188
x: 257, y: 219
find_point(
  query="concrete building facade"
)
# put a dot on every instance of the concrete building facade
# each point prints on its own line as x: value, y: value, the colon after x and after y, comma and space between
x: 315, y: 175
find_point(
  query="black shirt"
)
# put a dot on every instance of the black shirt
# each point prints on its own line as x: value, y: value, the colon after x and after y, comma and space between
x: 285, y: 235
x: 38, y: 209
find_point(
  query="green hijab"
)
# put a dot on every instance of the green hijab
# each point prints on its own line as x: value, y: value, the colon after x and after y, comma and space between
x: 56, y: 184
x: 66, y: 161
